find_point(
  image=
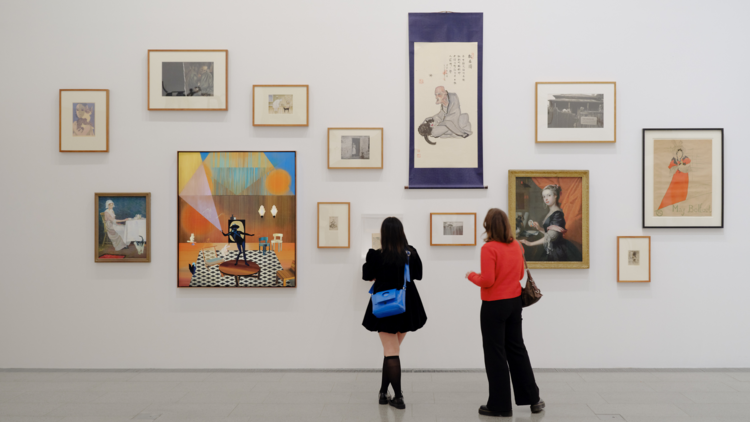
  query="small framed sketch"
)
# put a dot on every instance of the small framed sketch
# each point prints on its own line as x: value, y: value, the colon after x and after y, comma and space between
x: 633, y: 259
x: 576, y: 112
x: 84, y: 120
x: 453, y: 229
x: 355, y: 148
x: 188, y: 79
x: 333, y: 224
x: 122, y: 227
x: 281, y: 105
x: 683, y: 178
x: 549, y: 215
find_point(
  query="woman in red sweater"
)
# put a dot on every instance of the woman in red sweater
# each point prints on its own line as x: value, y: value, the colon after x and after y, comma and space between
x: 502, y: 338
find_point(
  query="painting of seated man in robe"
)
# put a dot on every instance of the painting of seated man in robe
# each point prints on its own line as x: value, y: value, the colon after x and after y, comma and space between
x: 449, y: 122
x: 122, y: 227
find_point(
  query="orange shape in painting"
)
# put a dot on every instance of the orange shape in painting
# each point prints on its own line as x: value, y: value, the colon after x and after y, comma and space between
x: 278, y: 182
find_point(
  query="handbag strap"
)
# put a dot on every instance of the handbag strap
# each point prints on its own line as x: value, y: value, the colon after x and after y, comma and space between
x: 407, y: 274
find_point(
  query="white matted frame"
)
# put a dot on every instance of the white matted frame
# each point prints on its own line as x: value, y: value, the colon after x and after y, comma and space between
x: 94, y: 135
x: 267, y: 113
x: 157, y: 100
x: 343, y: 154
x: 334, y: 224
x: 633, y: 259
x: 453, y: 229
x: 561, y: 104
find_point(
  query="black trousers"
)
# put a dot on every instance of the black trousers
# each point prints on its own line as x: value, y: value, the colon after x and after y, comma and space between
x: 502, y: 339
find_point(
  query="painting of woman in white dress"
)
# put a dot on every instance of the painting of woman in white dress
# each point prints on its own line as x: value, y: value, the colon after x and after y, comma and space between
x: 122, y: 228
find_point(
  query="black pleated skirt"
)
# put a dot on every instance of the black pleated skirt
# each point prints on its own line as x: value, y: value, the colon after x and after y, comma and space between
x: 412, y: 320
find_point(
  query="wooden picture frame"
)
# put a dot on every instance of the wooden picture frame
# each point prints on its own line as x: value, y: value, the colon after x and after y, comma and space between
x: 633, y: 276
x: 181, y: 100
x: 573, y: 239
x: 280, y: 90
x: 336, y: 150
x: 91, y: 137
x: 135, y: 233
x: 691, y: 197
x: 564, y: 126
x: 331, y: 242
x: 463, y: 235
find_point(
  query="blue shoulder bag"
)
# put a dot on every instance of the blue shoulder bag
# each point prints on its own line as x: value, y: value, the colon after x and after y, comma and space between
x: 391, y: 302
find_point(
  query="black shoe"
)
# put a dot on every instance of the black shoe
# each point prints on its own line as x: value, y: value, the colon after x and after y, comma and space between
x: 483, y: 410
x: 383, y: 398
x: 536, y: 408
x: 397, y: 402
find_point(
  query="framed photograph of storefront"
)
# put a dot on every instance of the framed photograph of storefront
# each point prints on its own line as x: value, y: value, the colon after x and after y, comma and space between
x: 453, y: 229
x: 355, y: 148
x: 584, y: 112
x: 188, y: 80
x: 683, y: 178
x: 633, y: 259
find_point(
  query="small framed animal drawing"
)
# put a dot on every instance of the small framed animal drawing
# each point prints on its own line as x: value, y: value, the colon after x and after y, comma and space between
x: 84, y: 120
x: 281, y: 105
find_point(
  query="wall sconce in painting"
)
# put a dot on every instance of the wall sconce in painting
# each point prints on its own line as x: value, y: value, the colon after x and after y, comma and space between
x: 261, y: 211
x: 274, y: 211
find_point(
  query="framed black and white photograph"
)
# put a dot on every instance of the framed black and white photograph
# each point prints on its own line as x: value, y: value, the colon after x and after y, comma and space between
x: 355, y: 148
x: 576, y: 112
x: 453, y: 229
x: 187, y: 79
x: 633, y: 259
x: 281, y: 105
x: 683, y: 178
x: 333, y: 224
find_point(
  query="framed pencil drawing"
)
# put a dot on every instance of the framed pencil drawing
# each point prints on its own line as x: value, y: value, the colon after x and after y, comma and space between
x: 188, y: 79
x: 281, y: 105
x: 583, y: 112
x: 633, y: 259
x: 355, y: 148
x: 683, y: 178
x: 84, y: 120
x: 334, y: 224
x: 453, y: 229
x: 122, y: 227
x: 549, y: 214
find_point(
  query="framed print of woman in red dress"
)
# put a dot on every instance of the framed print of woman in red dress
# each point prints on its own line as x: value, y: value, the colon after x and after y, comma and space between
x: 679, y: 166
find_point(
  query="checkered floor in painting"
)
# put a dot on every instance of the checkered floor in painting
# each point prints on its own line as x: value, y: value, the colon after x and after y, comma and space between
x: 211, y: 277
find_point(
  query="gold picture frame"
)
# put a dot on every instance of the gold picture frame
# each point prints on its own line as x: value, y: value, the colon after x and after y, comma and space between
x: 634, y: 277
x: 374, y: 148
x: 576, y: 134
x: 133, y: 230
x: 521, y: 187
x: 338, y: 227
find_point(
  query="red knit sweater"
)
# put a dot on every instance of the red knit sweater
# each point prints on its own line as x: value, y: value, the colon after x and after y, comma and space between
x: 502, y: 269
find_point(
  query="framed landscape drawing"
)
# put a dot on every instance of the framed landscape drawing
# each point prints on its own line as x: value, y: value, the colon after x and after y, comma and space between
x: 549, y: 214
x: 355, y: 148
x: 236, y: 219
x: 122, y: 227
x: 633, y: 259
x: 576, y: 112
x: 281, y: 105
x: 84, y: 120
x: 334, y: 224
x: 188, y: 79
x: 683, y: 178
x: 453, y: 229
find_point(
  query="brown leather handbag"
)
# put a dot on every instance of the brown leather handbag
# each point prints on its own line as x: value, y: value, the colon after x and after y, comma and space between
x: 530, y: 294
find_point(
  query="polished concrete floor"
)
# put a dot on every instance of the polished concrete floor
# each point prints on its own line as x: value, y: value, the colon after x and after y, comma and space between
x: 206, y: 396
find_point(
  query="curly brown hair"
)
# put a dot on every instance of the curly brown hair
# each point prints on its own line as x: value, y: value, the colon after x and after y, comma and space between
x: 497, y: 226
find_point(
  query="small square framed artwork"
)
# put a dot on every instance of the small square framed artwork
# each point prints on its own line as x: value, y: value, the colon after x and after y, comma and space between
x: 355, y: 148
x: 122, y: 227
x: 453, y: 229
x: 584, y: 112
x: 633, y: 259
x: 281, y: 105
x: 84, y: 120
x: 334, y: 224
x: 188, y: 80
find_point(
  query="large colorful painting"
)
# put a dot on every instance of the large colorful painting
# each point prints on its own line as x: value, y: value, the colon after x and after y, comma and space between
x: 237, y: 219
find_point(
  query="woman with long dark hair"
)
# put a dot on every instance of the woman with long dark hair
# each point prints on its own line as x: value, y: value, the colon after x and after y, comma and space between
x: 502, y: 338
x: 385, y: 267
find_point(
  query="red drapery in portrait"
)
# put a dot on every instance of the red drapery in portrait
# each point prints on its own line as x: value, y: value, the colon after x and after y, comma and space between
x: 571, y: 203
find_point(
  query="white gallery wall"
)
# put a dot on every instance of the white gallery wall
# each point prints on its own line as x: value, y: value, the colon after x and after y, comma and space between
x: 677, y: 64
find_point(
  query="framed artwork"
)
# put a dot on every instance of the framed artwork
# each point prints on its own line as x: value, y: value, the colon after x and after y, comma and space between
x: 355, y: 148
x: 122, y: 227
x: 334, y: 224
x: 576, y: 112
x: 371, y: 230
x: 236, y: 219
x: 683, y: 178
x: 281, y: 105
x: 188, y: 79
x: 549, y: 214
x: 84, y: 120
x: 633, y: 259
x: 453, y: 229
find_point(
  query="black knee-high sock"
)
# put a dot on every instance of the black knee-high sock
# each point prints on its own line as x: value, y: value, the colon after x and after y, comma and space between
x: 393, y: 370
x: 384, y: 383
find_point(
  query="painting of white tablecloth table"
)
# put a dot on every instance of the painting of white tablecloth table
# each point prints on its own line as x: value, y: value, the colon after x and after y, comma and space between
x: 122, y: 227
